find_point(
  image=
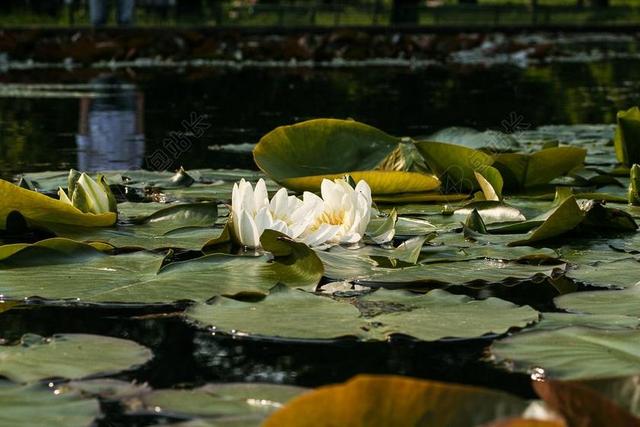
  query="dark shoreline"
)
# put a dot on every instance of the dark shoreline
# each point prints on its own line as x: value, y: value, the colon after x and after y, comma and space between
x: 86, y: 45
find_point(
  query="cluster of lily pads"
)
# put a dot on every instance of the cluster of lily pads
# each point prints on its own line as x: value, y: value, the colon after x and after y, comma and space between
x: 528, y: 240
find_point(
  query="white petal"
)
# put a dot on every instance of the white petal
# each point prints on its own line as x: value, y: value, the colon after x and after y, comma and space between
x: 323, y: 235
x: 63, y: 196
x: 280, y: 203
x: 260, y: 195
x: 247, y: 231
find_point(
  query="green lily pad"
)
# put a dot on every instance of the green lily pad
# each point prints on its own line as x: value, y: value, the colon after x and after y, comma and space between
x: 439, y: 314
x: 34, y: 405
x: 624, y: 302
x: 601, y: 321
x: 562, y: 219
x: 622, y: 273
x: 454, y: 164
x: 60, y: 269
x: 246, y: 403
x: 468, y: 137
x: 364, y: 270
x: 573, y: 353
x: 521, y: 170
x: 301, y: 155
x: 286, y: 313
x: 184, y: 226
x: 69, y: 356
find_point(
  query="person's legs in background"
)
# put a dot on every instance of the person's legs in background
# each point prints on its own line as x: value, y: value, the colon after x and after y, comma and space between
x: 98, y: 12
x: 126, y: 10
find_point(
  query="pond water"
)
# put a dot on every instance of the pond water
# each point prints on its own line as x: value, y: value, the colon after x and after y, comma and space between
x: 165, y: 118
x: 96, y: 119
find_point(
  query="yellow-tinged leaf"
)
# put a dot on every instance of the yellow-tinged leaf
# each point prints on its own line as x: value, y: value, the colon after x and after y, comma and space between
x: 420, y: 197
x: 381, y: 182
x: 37, y: 208
x: 383, y: 401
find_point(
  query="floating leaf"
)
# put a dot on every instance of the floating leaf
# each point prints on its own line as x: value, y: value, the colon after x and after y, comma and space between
x: 490, y: 140
x: 185, y: 226
x: 601, y: 321
x: 244, y: 402
x: 625, y: 302
x: 562, y: 219
x: 71, y: 270
x: 622, y: 273
x: 455, y: 165
x: 528, y: 170
x: 439, y: 314
x: 70, y: 356
x: 396, y: 401
x: 286, y: 313
x: 382, y: 183
x: 301, y: 155
x: 573, y: 353
x: 34, y: 405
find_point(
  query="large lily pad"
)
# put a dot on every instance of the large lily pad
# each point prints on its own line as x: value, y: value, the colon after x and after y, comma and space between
x: 439, y: 314
x: 246, y: 404
x: 365, y: 270
x: 573, y: 353
x: 39, y: 209
x: 454, y: 164
x: 286, y: 313
x: 528, y: 170
x: 184, y: 226
x: 301, y: 155
x: 69, y: 356
x: 60, y: 269
x: 625, y: 302
x: 489, y: 140
x: 621, y: 273
x: 34, y: 405
x: 381, y: 401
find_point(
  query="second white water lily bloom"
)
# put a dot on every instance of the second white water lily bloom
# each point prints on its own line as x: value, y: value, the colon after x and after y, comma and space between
x: 88, y: 195
x: 252, y: 213
x: 340, y: 216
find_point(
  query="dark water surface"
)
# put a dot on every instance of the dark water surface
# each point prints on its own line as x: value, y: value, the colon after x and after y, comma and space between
x: 95, y: 119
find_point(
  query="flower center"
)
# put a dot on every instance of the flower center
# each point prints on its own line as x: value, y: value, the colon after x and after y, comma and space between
x: 332, y: 218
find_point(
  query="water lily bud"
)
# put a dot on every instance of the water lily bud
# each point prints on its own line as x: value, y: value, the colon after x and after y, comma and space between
x: 87, y: 195
x: 627, y: 136
x: 634, y: 185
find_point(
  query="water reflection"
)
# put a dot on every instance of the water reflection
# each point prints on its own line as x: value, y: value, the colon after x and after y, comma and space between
x: 111, y: 126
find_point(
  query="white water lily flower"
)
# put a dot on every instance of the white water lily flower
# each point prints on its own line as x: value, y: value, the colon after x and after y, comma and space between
x: 88, y: 195
x: 252, y: 213
x: 340, y: 216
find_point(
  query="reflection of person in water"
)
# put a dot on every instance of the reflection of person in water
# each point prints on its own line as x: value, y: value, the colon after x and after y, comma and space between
x: 111, y: 128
